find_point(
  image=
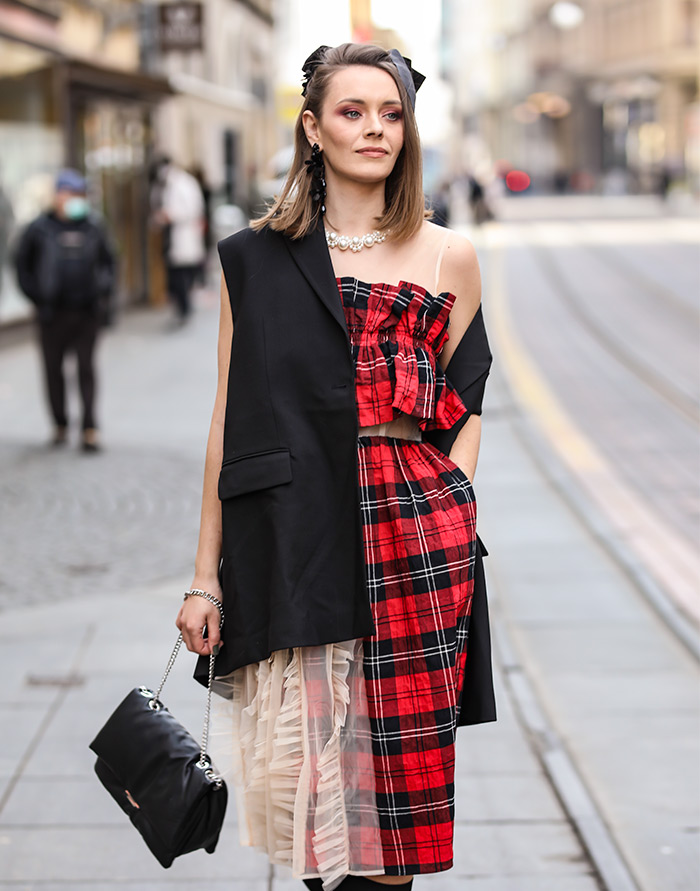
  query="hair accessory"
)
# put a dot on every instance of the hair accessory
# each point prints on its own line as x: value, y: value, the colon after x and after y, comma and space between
x: 311, y: 64
x: 411, y: 79
x: 355, y: 242
x: 317, y: 169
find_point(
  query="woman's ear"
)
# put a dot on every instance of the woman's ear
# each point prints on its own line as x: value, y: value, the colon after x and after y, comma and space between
x: 310, y: 124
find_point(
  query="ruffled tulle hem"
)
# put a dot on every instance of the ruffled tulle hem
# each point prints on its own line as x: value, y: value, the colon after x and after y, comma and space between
x: 292, y: 735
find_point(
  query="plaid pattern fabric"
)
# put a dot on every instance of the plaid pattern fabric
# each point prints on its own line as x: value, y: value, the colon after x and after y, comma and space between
x: 419, y: 520
x: 396, y: 333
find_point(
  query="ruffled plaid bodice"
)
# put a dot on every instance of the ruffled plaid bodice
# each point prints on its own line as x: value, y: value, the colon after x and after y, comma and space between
x: 396, y: 334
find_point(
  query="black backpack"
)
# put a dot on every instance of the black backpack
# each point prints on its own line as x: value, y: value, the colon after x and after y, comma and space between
x: 74, y: 255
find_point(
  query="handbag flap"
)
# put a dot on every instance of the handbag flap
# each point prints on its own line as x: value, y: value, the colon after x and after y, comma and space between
x: 137, y: 742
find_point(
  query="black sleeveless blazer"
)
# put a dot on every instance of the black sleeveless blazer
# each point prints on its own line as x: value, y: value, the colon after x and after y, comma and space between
x: 292, y: 568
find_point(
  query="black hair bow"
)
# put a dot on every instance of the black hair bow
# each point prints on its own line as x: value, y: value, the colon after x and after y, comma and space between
x: 411, y: 79
x: 311, y: 64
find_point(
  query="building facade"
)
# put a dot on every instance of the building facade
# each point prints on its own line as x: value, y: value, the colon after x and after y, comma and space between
x: 597, y: 94
x: 222, y: 118
x: 106, y: 87
x: 71, y: 93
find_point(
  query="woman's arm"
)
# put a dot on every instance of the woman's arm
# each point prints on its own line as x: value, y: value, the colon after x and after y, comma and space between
x: 196, y: 612
x: 461, y: 276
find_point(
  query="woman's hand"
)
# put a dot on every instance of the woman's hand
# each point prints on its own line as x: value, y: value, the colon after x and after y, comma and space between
x: 195, y: 615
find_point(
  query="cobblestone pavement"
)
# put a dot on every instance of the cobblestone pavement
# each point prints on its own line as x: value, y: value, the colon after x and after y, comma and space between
x: 74, y: 524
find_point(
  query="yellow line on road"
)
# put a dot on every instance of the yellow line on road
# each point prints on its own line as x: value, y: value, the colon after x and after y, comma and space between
x: 529, y: 385
x: 674, y: 565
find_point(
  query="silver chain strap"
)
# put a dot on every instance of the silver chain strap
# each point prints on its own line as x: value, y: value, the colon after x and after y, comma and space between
x: 156, y: 704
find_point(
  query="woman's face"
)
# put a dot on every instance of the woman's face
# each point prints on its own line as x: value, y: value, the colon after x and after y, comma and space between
x: 360, y: 129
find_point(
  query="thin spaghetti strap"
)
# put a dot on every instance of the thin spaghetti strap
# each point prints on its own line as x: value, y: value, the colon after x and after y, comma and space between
x: 439, y: 260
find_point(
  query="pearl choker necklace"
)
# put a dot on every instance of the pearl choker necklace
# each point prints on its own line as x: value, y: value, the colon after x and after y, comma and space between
x: 355, y: 242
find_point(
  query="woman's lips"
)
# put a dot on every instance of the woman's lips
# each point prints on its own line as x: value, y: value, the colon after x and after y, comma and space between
x: 373, y: 153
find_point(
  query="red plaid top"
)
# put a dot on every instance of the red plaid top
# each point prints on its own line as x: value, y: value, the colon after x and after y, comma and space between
x: 396, y: 334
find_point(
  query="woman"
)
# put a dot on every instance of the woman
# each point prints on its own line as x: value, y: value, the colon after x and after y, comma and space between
x: 342, y: 543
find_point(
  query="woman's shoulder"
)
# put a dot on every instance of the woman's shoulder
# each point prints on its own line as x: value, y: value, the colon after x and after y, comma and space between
x: 456, y: 250
x: 456, y: 260
x: 458, y: 271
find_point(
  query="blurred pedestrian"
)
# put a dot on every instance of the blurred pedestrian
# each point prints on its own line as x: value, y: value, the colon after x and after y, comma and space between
x: 7, y: 223
x: 181, y: 211
x: 65, y: 266
x: 561, y: 181
x: 338, y: 530
x: 481, y: 211
x: 440, y: 205
x: 198, y: 173
x: 663, y: 181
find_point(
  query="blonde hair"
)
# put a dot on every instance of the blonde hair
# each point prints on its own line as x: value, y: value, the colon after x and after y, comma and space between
x: 295, y: 213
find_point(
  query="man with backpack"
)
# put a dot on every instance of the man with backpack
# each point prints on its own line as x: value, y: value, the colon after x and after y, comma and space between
x: 66, y: 268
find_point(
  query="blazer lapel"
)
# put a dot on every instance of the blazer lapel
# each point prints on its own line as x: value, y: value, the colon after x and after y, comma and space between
x: 311, y: 256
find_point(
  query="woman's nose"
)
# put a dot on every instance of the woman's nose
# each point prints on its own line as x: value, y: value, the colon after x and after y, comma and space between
x: 374, y: 127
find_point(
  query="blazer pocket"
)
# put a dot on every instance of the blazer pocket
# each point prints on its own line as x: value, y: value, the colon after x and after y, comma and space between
x: 249, y: 473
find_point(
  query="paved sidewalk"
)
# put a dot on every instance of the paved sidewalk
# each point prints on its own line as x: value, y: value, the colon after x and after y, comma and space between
x: 618, y: 686
x: 65, y: 666
x: 67, y: 659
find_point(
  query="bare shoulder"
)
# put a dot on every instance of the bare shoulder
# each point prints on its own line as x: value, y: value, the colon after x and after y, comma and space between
x: 459, y: 258
x: 460, y: 275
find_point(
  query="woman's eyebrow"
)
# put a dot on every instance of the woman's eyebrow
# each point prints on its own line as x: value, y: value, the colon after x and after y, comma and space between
x: 362, y: 102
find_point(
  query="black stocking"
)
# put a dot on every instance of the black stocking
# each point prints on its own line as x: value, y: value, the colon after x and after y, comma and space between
x: 358, y: 883
x: 363, y: 883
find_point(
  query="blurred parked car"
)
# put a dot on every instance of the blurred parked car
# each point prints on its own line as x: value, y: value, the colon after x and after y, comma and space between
x: 227, y: 219
x: 276, y: 171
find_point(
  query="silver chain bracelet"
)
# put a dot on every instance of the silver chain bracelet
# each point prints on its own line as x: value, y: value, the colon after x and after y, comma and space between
x: 207, y: 596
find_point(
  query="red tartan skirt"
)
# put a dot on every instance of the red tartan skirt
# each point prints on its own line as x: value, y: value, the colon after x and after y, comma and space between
x: 419, y: 521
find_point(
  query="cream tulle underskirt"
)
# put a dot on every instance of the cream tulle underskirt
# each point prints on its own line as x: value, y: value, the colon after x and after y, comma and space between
x: 292, y: 736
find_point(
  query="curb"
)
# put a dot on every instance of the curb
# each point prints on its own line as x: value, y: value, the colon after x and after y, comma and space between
x: 563, y: 479
x: 612, y: 871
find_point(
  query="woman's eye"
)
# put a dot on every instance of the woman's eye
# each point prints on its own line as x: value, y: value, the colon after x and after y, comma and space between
x: 351, y: 113
x: 393, y: 115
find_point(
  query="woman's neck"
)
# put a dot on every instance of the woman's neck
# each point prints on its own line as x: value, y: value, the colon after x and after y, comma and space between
x: 352, y: 208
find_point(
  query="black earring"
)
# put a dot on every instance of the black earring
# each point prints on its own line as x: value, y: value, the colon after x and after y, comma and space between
x: 317, y: 169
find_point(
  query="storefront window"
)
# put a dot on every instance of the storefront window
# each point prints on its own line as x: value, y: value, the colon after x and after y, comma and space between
x: 115, y: 142
x: 31, y: 150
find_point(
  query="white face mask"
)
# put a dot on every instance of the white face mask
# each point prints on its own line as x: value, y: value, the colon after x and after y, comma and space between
x: 76, y: 208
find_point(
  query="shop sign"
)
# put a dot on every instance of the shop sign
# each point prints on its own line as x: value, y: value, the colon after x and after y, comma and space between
x: 180, y: 27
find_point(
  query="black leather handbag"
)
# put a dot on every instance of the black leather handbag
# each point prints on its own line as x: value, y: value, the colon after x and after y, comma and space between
x: 159, y: 775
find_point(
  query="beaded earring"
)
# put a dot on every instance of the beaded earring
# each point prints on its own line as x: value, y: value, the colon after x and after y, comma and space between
x: 317, y: 169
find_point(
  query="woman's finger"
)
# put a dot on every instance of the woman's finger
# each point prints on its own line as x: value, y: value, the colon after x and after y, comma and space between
x: 192, y: 620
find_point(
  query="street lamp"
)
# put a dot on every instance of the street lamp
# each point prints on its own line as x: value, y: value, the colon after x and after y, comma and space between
x: 566, y: 15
